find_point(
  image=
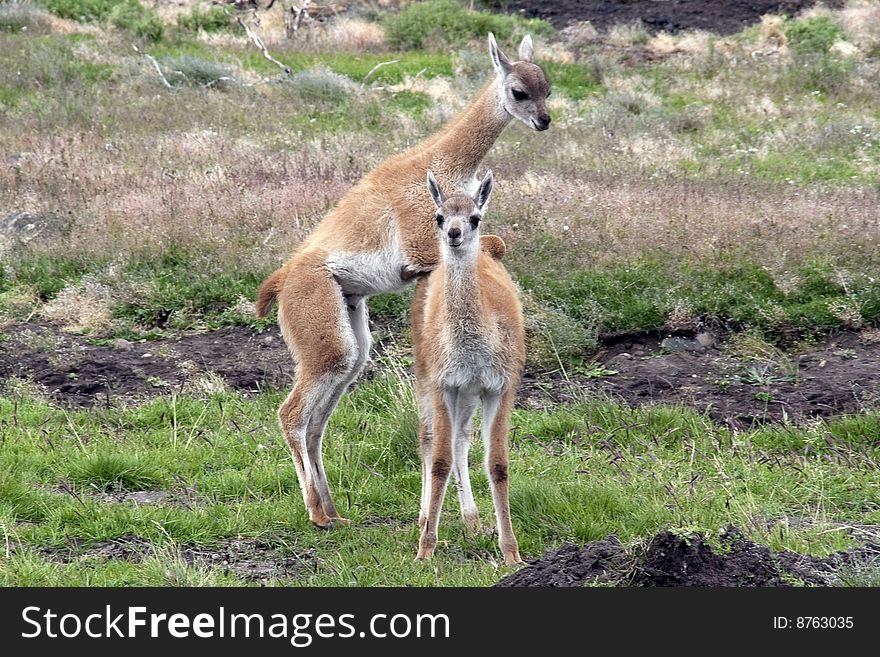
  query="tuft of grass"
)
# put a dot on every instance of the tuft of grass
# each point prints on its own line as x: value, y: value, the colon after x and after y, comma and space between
x: 444, y: 23
x: 108, y: 470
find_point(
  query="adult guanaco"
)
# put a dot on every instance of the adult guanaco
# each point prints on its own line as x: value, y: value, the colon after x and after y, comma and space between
x: 469, y: 351
x: 380, y: 236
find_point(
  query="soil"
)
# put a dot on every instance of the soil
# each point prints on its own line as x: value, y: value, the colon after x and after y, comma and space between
x: 251, y: 559
x: 839, y: 375
x: 674, y: 560
x: 660, y: 15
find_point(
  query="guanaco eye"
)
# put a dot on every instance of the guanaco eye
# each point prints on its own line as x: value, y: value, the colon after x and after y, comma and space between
x: 548, y: 93
x: 520, y: 95
x: 439, y: 218
x: 475, y: 220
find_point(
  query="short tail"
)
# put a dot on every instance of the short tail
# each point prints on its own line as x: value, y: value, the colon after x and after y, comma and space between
x: 269, y: 289
x: 493, y: 245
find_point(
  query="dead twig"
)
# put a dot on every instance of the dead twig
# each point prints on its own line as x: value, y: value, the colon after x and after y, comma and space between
x: 376, y: 68
x: 258, y: 42
x: 156, y: 66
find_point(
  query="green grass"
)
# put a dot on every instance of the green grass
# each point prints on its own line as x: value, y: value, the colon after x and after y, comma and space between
x: 442, y: 23
x: 187, y: 289
x: 614, y: 470
x: 739, y: 294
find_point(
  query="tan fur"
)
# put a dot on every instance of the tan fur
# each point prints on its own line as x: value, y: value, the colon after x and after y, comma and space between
x: 468, y: 305
x: 380, y: 235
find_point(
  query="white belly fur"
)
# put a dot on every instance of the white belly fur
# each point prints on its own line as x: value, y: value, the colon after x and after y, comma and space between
x: 371, y: 272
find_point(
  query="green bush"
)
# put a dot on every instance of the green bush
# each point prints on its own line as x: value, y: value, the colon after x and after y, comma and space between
x: 213, y: 20
x: 813, y: 35
x: 134, y: 17
x: 554, y: 338
x: 445, y: 23
x: 81, y: 10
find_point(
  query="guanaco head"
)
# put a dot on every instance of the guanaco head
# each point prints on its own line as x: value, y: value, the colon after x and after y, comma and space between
x: 458, y: 215
x: 524, y: 85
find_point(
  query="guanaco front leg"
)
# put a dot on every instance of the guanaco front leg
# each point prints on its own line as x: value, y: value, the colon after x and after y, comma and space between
x: 437, y: 476
x: 496, y: 411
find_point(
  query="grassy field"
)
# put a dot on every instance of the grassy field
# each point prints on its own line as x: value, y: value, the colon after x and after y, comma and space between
x: 687, y: 181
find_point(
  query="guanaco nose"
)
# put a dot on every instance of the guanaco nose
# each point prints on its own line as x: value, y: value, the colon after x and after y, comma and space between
x: 454, y: 233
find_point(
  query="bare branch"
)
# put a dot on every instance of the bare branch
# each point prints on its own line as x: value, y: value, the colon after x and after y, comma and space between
x: 258, y: 42
x: 158, y: 70
x: 376, y: 68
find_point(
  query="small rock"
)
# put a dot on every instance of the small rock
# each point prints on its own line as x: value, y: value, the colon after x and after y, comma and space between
x: 678, y: 345
x: 20, y: 228
x: 146, y: 497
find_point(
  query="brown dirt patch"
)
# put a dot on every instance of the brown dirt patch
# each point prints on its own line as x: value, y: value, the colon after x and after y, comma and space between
x: 840, y: 375
x: 673, y: 560
x: 248, y: 558
x: 667, y: 15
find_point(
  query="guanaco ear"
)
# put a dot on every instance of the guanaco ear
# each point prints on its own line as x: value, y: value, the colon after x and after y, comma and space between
x: 499, y: 59
x: 527, y: 49
x: 484, y: 192
x: 434, y: 189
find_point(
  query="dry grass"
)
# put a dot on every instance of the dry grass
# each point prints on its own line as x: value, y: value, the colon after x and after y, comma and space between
x: 682, y: 159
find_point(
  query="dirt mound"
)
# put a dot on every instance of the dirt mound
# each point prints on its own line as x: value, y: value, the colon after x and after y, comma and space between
x: 672, y: 560
x: 675, y: 560
x: 668, y: 16
x: 571, y: 565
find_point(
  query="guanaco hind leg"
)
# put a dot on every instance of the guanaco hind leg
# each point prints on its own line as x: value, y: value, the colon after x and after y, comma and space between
x: 317, y: 327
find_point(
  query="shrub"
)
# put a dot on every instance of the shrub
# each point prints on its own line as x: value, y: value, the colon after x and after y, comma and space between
x: 813, y: 35
x: 446, y: 22
x: 212, y: 20
x: 197, y: 72
x: 553, y: 338
x: 321, y: 84
x: 134, y: 17
x: 15, y: 17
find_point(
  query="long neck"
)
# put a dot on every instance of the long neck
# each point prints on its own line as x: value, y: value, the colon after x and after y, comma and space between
x: 461, y: 288
x: 465, y: 142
